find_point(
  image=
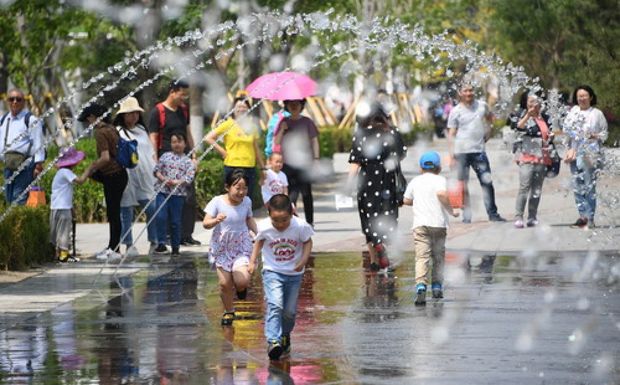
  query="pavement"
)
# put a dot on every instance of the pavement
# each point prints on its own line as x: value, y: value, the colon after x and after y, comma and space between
x: 536, y: 305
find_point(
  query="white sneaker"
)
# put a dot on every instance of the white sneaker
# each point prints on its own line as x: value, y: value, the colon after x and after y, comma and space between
x: 113, y: 256
x: 102, y: 255
x: 132, y: 252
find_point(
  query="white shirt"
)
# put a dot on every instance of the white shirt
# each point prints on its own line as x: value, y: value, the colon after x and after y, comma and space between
x: 470, y: 124
x: 274, y: 183
x: 579, y: 124
x: 236, y: 216
x: 283, y: 249
x: 141, y: 178
x: 19, y: 137
x: 62, y: 189
x: 427, y: 210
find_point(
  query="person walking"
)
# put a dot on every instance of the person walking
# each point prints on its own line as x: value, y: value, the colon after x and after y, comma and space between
x: 21, y: 138
x: 109, y: 173
x: 533, y: 158
x: 586, y: 128
x: 166, y: 118
x: 428, y: 194
x: 285, y: 243
x: 240, y: 150
x: 297, y: 138
x: 140, y: 190
x: 375, y: 157
x: 468, y: 131
x: 230, y: 216
x: 175, y: 173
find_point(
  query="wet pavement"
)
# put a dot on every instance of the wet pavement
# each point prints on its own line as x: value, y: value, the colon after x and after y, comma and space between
x: 504, y: 320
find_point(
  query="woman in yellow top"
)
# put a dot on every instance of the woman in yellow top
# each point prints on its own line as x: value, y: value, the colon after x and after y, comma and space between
x: 240, y: 149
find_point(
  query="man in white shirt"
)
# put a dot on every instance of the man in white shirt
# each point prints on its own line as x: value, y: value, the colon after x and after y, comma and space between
x: 21, y: 145
x: 468, y: 130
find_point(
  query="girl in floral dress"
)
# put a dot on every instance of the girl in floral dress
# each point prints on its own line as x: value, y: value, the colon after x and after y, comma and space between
x: 230, y: 217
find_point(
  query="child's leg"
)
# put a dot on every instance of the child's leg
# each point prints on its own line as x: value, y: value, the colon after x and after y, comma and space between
x: 241, y: 277
x: 273, y: 286
x: 175, y: 210
x: 225, y: 280
x: 63, y: 232
x: 439, y: 254
x: 162, y: 219
x: 422, y: 245
x: 291, y: 294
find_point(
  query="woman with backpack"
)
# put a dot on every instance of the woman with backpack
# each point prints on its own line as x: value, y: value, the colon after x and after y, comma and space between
x: 107, y: 171
x: 140, y: 189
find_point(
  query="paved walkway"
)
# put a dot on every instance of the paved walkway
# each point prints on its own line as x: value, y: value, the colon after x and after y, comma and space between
x: 532, y: 305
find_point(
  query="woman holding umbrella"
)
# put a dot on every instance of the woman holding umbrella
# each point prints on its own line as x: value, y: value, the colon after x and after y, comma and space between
x: 297, y: 136
x: 298, y: 140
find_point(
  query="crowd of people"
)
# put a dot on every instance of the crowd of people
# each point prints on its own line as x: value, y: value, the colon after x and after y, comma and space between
x: 162, y: 184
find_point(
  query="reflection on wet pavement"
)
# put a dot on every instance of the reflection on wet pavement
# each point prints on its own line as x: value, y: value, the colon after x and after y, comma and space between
x: 504, y: 320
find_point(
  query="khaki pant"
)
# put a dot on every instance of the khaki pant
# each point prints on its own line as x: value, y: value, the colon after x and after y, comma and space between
x: 429, y: 244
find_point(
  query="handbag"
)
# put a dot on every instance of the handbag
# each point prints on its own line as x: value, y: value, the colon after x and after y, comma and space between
x: 456, y: 194
x: 13, y: 159
x: 553, y: 169
x: 400, y: 185
x: 36, y: 197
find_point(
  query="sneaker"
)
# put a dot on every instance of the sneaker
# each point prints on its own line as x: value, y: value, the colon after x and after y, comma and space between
x: 242, y: 294
x: 113, y: 256
x: 580, y: 223
x: 437, y: 290
x: 175, y: 252
x: 467, y: 220
x: 286, y: 344
x: 64, y: 257
x: 519, y: 224
x: 274, y: 351
x: 161, y: 249
x: 532, y: 222
x: 102, y: 255
x: 191, y: 242
x: 131, y: 252
x: 420, y: 295
x: 227, y: 318
x: 497, y: 218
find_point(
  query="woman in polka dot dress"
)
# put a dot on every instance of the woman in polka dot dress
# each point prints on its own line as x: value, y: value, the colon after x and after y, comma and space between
x: 377, y: 150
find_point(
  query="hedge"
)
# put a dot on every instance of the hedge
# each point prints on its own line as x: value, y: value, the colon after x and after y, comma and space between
x: 25, y: 238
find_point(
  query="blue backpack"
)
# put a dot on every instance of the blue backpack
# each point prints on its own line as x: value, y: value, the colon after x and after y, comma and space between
x: 127, y: 152
x: 272, y: 125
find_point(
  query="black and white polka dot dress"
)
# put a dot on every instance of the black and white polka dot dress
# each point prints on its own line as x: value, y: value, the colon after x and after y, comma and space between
x: 378, y: 152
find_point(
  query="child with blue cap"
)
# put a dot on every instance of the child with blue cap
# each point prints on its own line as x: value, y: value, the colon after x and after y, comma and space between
x: 428, y: 194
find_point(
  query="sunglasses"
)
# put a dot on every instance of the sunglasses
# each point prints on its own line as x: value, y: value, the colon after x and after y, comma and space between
x: 15, y: 99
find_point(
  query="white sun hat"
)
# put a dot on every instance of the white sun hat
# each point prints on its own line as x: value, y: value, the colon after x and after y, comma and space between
x: 129, y: 105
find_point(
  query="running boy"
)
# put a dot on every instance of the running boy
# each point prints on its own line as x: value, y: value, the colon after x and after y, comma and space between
x: 428, y: 194
x: 285, y: 242
x: 275, y: 181
x: 61, y: 214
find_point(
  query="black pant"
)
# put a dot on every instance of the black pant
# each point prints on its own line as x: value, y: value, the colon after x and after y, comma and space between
x: 113, y: 187
x: 189, y: 212
x: 298, y: 183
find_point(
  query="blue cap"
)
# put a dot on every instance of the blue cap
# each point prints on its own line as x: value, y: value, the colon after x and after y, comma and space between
x: 430, y: 160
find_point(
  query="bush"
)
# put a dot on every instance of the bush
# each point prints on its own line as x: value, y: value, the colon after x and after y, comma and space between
x: 28, y: 231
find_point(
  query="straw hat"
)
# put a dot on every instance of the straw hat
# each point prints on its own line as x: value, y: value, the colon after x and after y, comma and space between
x: 71, y: 157
x: 129, y: 105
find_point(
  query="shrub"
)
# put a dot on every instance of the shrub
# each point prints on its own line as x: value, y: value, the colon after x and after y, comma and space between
x: 25, y: 235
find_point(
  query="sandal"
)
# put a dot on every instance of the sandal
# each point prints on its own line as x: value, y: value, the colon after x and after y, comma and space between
x: 227, y: 318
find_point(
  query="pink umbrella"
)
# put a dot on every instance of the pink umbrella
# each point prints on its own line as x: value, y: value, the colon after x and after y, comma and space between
x: 282, y: 86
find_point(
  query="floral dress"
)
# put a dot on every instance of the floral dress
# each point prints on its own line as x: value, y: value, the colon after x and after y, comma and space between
x: 378, y: 152
x: 230, y: 239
